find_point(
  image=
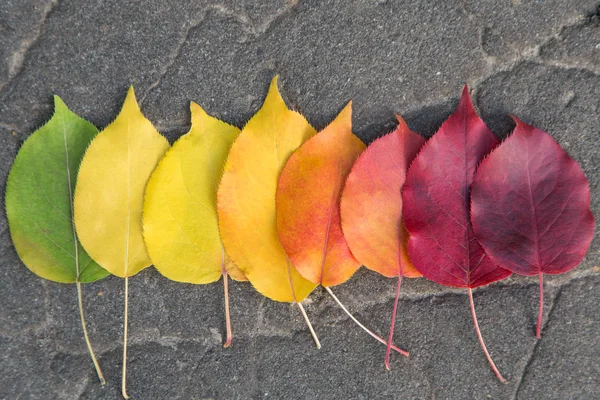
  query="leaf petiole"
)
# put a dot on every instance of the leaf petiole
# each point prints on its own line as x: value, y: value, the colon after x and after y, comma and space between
x: 391, y: 337
x: 125, y: 323
x: 403, y: 352
x: 538, y: 331
x: 487, y: 355
x: 227, y: 317
x: 86, y: 336
x: 310, y: 327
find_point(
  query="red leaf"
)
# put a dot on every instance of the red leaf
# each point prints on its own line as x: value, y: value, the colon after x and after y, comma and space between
x: 371, y: 205
x: 531, y: 206
x: 371, y: 208
x: 442, y: 245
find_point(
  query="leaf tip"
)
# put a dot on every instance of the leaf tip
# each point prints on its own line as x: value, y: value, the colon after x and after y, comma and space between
x: 199, y: 117
x: 196, y: 110
x: 465, y: 98
x: 130, y: 100
x: 59, y: 104
x: 401, y: 122
x: 466, y: 104
x: 131, y: 91
x: 516, y: 120
x: 346, y: 114
x: 273, y: 86
x: 273, y: 95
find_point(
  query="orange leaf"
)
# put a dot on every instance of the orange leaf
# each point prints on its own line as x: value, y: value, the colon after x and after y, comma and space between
x: 372, y: 204
x: 308, y: 196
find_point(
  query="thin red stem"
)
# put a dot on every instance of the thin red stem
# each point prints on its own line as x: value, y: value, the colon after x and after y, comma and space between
x: 538, y: 331
x: 481, y: 342
x: 227, y: 317
x: 403, y: 352
x: 391, y: 336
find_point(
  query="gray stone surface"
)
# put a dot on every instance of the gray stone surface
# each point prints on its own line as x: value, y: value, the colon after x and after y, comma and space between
x: 539, y: 60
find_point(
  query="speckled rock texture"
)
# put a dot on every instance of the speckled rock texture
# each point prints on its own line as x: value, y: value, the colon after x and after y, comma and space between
x: 537, y: 59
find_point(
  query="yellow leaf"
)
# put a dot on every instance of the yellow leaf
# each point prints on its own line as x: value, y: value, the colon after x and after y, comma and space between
x: 180, y: 209
x: 110, y: 190
x: 246, y: 198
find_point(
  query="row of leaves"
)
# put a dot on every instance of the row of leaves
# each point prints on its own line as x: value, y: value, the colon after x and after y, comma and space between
x: 288, y: 208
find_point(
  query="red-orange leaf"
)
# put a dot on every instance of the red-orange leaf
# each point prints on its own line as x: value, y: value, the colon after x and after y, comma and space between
x: 372, y: 208
x: 372, y: 204
x: 308, y: 193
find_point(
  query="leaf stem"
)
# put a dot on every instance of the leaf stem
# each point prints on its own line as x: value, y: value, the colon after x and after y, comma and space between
x: 125, y: 323
x: 404, y: 353
x: 77, y: 272
x: 227, y: 317
x: 86, y: 336
x: 481, y: 342
x: 391, y: 337
x: 310, y: 327
x: 538, y: 331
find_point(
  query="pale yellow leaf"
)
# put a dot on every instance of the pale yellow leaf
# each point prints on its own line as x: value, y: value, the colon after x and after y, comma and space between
x: 180, y: 209
x: 110, y: 190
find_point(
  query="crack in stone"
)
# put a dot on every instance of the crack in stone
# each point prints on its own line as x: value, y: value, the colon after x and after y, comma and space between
x: 82, y: 385
x: 263, y: 330
x: 85, y: 389
x: 173, y: 58
x: 529, y: 54
x: 477, y: 84
x: 590, y: 18
x: 248, y: 27
x: 568, y: 67
x: 138, y: 340
x: 361, y: 306
x: 533, y: 353
x: 10, y: 127
x: 17, y: 58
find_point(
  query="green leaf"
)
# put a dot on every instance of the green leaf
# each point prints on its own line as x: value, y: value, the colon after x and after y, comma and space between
x: 39, y: 199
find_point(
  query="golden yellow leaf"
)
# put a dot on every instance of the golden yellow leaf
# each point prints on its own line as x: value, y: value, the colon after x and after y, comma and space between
x: 246, y: 198
x: 180, y: 209
x: 110, y: 190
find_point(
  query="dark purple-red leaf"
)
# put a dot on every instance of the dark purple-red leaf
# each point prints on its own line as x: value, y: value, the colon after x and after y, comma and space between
x: 442, y: 245
x: 436, y: 198
x: 531, y: 205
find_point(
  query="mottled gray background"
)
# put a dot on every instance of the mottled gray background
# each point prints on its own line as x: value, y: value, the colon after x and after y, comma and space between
x: 539, y: 60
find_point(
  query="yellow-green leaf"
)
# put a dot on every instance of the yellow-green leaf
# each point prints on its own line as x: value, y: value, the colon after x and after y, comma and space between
x: 110, y: 190
x: 180, y: 209
x: 246, y: 198
x: 39, y: 199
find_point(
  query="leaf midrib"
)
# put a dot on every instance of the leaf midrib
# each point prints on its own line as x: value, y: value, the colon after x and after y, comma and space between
x: 75, y: 240
x: 127, y: 232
